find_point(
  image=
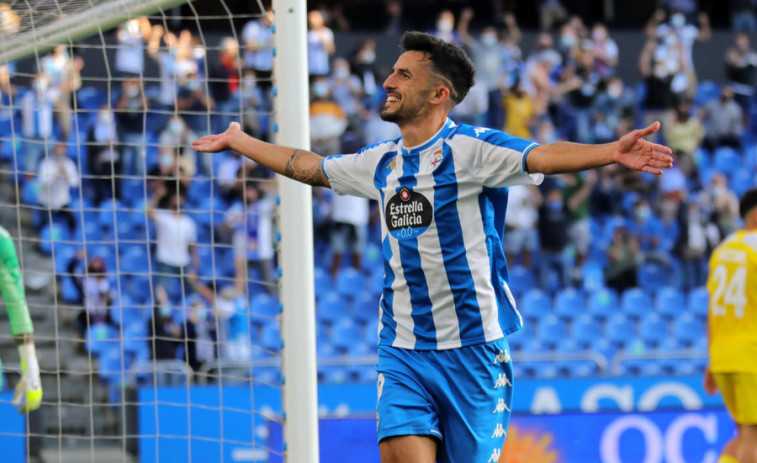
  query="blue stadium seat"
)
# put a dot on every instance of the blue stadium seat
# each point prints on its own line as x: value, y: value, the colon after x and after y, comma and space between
x: 653, y: 330
x: 706, y: 91
x: 688, y: 329
x: 698, y: 302
x: 345, y: 334
x: 593, y: 275
x: 726, y: 160
x: 30, y: 192
x: 63, y: 253
x: 535, y: 305
x: 535, y: 346
x: 50, y: 234
x: 520, y: 280
x: 135, y: 260
x: 365, y: 308
x: 371, y: 332
x: 603, y: 303
x: 619, y: 330
x: 743, y: 180
x: 569, y: 303
x: 364, y: 373
x: 636, y: 303
x: 552, y: 330
x: 517, y: 339
x: 350, y: 282
x: 69, y: 293
x: 641, y: 367
x: 333, y: 374
x: 322, y: 281
x: 263, y: 307
x: 332, y: 308
x: 580, y: 369
x: 605, y: 347
x: 113, y: 367
x: 100, y: 337
x: 652, y: 277
x: 270, y: 339
x: 586, y: 330
x: 670, y: 302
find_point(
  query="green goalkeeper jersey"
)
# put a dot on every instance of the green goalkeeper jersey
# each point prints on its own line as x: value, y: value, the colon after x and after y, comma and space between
x: 12, y: 287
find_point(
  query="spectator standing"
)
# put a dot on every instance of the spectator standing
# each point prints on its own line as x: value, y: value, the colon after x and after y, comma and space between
x: 554, y: 219
x: 64, y: 75
x: 167, y: 59
x: 320, y: 45
x: 98, y: 297
x: 258, y: 39
x: 623, y: 257
x: 683, y: 131
x: 445, y: 28
x: 177, y: 138
x: 130, y: 53
x: 519, y: 112
x: 658, y: 76
x: 742, y: 16
x: 551, y: 12
x: 37, y: 122
x: 327, y: 119
x: 723, y: 119
x: 57, y: 175
x: 741, y: 71
x: 175, y: 239
x: 521, y: 237
x: 131, y: 123
x: 194, y: 100
x: 347, y: 91
x: 604, y: 50
x: 223, y: 75
x: 349, y: 226
x: 364, y: 67
x: 104, y: 159
x: 576, y: 194
x: 648, y: 231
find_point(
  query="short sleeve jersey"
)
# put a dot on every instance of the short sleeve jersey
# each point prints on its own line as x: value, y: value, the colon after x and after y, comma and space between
x: 441, y: 203
x: 732, y: 285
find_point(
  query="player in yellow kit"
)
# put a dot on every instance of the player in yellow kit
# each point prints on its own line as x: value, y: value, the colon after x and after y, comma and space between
x: 732, y: 284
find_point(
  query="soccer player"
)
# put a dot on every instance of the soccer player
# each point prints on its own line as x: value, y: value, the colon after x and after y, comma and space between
x: 28, y: 392
x: 444, y: 370
x: 732, y: 284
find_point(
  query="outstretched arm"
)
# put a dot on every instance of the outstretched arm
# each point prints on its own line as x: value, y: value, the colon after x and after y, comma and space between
x: 296, y: 164
x: 631, y: 151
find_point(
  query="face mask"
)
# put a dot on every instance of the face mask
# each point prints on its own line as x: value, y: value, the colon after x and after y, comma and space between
x: 104, y: 118
x: 615, y: 91
x: 598, y: 35
x: 643, y: 213
x: 40, y: 86
x: 166, y: 311
x: 132, y: 27
x: 341, y: 73
x: 192, y: 85
x: 202, y: 314
x: 369, y: 56
x: 670, y: 40
x: 444, y: 26
x: 554, y: 205
x: 678, y: 21
x: 489, y: 39
x: 248, y: 82
x: 132, y: 92
x: 320, y: 89
x: 176, y: 127
x: 568, y: 41
x: 198, y: 53
x: 166, y: 160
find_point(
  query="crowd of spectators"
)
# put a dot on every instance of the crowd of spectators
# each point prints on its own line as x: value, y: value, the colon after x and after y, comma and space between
x: 138, y: 154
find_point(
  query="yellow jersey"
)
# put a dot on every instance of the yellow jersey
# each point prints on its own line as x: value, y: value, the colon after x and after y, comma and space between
x: 732, y: 284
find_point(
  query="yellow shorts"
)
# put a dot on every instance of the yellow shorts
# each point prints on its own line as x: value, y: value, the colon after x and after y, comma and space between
x: 739, y: 391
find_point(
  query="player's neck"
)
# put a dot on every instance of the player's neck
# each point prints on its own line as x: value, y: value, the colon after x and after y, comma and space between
x: 415, y: 133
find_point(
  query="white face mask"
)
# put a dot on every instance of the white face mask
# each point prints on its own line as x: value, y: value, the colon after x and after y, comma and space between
x: 489, y: 39
x: 677, y: 20
x: 341, y: 73
x: 444, y: 26
x: 132, y: 92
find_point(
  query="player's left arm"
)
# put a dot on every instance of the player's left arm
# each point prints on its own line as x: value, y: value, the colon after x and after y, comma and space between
x: 631, y: 151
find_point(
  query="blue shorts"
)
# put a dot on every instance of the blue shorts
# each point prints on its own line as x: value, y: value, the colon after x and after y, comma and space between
x: 461, y: 397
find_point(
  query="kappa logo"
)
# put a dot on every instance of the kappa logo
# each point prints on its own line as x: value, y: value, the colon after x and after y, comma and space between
x: 495, y: 456
x: 499, y: 431
x: 436, y: 158
x: 502, y: 357
x: 480, y: 130
x: 392, y: 165
x: 502, y: 381
x: 501, y: 407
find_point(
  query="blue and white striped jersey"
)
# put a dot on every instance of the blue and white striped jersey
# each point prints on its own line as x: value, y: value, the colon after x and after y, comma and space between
x: 445, y: 277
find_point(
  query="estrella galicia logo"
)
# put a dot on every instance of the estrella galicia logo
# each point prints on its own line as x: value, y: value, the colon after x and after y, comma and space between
x: 408, y: 214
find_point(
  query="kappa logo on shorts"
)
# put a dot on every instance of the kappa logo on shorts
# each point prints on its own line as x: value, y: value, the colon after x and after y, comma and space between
x: 499, y: 431
x: 501, y: 407
x: 502, y: 381
x: 495, y: 456
x: 502, y: 357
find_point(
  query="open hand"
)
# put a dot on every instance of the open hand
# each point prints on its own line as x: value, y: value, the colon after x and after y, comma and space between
x: 636, y: 153
x: 217, y: 143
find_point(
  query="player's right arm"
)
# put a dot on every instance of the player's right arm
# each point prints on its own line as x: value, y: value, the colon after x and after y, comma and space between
x: 301, y: 165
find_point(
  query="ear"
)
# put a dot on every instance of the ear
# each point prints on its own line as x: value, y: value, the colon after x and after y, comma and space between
x: 441, y: 95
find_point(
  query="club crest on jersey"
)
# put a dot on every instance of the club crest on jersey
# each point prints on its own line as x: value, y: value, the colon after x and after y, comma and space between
x: 480, y: 130
x: 436, y: 158
x: 408, y: 214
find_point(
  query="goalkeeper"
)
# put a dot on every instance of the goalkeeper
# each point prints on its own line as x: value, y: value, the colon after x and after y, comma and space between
x: 28, y: 391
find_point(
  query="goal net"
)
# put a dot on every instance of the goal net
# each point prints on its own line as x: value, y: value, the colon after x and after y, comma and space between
x: 155, y: 275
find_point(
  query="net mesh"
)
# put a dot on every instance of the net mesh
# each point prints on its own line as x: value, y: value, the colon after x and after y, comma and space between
x: 149, y: 268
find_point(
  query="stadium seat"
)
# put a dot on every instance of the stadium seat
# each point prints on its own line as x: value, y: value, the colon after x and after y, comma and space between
x: 535, y: 305
x: 593, y: 276
x: 652, y: 277
x: 350, y: 283
x: 698, y: 302
x: 605, y: 347
x: 100, y: 338
x: 113, y: 367
x: 743, y: 180
x: 50, y: 234
x: 619, y: 330
x: 364, y: 373
x: 586, y: 330
x: 706, y: 91
x: 520, y: 280
x: 726, y: 160
x: 263, y: 308
x: 653, y: 330
x: 332, y: 308
x: 135, y: 260
x: 536, y: 346
x: 346, y: 334
x: 603, y: 303
x: 688, y: 329
x: 552, y: 330
x: 670, y: 302
x: 271, y: 339
x: 580, y: 369
x: 365, y: 308
x: 636, y: 303
x: 641, y: 367
x: 569, y: 303
x: 371, y: 332
x: 517, y: 339
x: 322, y: 281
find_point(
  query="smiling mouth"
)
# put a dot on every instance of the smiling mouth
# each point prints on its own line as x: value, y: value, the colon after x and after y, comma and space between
x: 392, y: 99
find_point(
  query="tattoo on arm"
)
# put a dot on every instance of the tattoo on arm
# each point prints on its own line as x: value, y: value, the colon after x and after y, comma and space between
x: 299, y: 168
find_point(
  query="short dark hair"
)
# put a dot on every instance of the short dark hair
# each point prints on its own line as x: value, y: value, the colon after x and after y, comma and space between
x: 447, y: 60
x: 748, y: 202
